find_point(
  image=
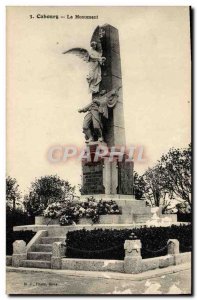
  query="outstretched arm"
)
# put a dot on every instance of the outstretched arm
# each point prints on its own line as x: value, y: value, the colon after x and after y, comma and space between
x: 85, y: 109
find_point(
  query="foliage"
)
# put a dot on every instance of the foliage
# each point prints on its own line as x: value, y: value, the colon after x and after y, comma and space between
x: 139, y: 186
x: 13, y: 194
x: 109, y: 244
x: 53, y: 210
x: 70, y: 212
x: 176, y: 170
x: 46, y: 190
x: 169, y: 179
x: 181, y: 217
x: 184, y: 208
x: 155, y: 189
x: 90, y: 209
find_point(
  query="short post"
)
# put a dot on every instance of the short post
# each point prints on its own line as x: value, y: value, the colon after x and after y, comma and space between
x: 173, y: 246
x: 58, y: 251
x: 133, y: 258
x: 19, y: 253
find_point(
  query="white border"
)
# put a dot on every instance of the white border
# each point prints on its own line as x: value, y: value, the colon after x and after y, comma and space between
x: 3, y: 4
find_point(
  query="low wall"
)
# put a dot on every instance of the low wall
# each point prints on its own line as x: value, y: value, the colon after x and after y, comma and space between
x: 119, y: 265
x: 132, y: 263
x: 93, y: 264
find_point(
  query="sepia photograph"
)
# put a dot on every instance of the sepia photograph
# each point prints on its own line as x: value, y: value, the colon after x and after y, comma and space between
x: 99, y: 150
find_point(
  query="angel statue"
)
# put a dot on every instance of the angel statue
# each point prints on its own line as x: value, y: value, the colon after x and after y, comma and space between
x: 94, y: 58
x: 96, y: 110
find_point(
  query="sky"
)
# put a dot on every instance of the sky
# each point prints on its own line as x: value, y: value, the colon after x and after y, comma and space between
x: 45, y: 88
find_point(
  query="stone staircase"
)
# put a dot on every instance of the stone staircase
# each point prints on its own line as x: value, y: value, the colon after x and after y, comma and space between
x: 40, y: 255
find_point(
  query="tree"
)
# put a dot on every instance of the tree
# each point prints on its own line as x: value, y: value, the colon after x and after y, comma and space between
x: 13, y: 194
x: 46, y: 190
x: 170, y: 178
x: 139, y: 186
x: 154, y: 188
x: 176, y: 171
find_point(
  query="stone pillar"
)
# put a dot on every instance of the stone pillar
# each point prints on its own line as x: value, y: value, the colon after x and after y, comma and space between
x: 107, y: 176
x: 110, y: 176
x: 58, y: 251
x: 114, y: 177
x: 173, y: 246
x: 19, y: 253
x: 114, y: 131
x: 133, y: 258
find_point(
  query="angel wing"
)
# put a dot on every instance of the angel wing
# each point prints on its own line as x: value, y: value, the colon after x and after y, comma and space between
x: 81, y: 52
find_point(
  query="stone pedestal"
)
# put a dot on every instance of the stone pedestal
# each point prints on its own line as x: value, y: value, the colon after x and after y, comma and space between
x: 58, y: 251
x: 109, y: 178
x: 173, y: 246
x: 133, y: 258
x: 104, y: 176
x: 19, y: 253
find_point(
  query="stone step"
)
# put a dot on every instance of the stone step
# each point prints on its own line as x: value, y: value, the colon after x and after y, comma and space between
x: 131, y: 203
x: 52, y: 239
x: 142, y: 218
x: 43, y: 264
x: 135, y: 210
x: 43, y: 248
x: 39, y: 256
x: 116, y: 219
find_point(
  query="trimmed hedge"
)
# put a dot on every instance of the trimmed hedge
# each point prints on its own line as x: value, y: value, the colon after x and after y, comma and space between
x: 109, y: 244
x: 184, y: 217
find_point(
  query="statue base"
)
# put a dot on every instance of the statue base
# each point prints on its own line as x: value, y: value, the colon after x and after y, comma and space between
x: 106, y: 176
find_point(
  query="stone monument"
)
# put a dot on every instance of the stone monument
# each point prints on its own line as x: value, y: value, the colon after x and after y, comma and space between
x: 103, y: 126
x: 104, y: 119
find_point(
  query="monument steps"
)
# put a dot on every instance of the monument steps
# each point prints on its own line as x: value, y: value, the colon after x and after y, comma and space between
x: 42, y: 264
x: 43, y: 248
x: 51, y: 239
x: 39, y: 256
x: 130, y: 211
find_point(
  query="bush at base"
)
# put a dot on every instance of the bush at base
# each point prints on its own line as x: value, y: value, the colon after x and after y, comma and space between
x: 109, y: 244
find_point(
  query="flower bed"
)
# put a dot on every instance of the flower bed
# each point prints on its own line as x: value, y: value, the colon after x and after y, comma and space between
x: 109, y: 244
x: 70, y: 213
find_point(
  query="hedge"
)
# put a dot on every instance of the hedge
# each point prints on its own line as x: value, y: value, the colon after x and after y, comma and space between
x: 109, y: 244
x: 181, y: 217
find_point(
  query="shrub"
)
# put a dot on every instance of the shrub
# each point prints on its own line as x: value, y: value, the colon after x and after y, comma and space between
x: 70, y: 212
x: 53, y: 210
x: 17, y: 235
x: 109, y: 244
x: 46, y: 190
x: 181, y: 217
